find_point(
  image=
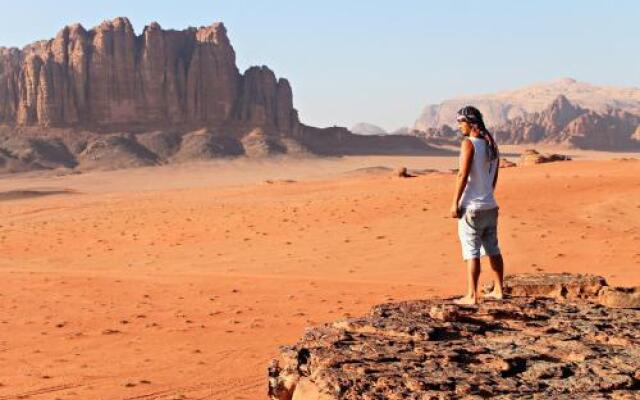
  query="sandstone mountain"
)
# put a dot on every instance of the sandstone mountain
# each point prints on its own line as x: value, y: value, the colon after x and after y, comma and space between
x: 109, y: 77
x: 568, y: 124
x: 561, y: 122
x: 109, y: 98
x: 500, y: 107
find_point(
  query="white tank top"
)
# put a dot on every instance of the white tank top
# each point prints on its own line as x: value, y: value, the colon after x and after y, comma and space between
x: 478, y: 194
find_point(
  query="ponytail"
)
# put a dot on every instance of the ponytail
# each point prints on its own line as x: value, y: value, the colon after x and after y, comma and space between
x: 492, y: 148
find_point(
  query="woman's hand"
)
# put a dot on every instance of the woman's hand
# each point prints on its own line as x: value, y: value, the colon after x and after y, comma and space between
x: 455, y: 211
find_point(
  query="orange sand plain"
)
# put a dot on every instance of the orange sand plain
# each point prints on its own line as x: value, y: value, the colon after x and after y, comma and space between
x: 181, y: 282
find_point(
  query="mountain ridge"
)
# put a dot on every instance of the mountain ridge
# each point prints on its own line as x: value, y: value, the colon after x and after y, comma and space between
x: 501, y: 106
x: 107, y: 97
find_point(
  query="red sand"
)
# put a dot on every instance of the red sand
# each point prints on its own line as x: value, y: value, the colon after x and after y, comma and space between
x: 186, y: 291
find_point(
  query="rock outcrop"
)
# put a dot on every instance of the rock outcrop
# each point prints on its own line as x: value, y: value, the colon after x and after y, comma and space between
x: 108, y: 77
x: 114, y: 152
x: 161, y: 96
x: 572, y: 287
x: 504, y: 163
x: 564, y: 112
x: 109, y: 98
x: 548, y: 340
x: 498, y: 108
x: 531, y: 157
x: 565, y: 123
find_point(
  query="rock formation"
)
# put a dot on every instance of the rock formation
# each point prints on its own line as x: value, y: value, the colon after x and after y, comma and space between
x: 561, y: 123
x: 109, y: 77
x: 498, y: 108
x: 550, y: 339
x: 504, y: 163
x: 571, y: 287
x: 563, y: 112
x: 162, y: 96
x: 531, y: 157
x: 565, y: 123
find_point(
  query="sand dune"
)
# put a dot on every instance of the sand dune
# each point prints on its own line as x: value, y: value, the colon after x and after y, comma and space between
x: 181, y: 282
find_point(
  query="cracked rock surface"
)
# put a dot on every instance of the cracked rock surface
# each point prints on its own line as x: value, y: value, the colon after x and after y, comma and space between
x: 551, y: 339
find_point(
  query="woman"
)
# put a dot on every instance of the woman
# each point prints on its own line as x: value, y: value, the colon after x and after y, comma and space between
x: 474, y: 203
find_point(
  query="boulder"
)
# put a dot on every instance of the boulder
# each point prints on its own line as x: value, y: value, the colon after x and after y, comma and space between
x: 532, y: 157
x: 504, y: 163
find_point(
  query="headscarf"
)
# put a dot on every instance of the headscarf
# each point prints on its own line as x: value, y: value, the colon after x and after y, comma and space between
x: 473, y: 116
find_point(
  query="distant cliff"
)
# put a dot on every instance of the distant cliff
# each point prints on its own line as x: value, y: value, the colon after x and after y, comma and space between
x: 108, y: 98
x: 500, y: 107
x: 563, y: 112
x: 563, y: 122
x: 109, y: 77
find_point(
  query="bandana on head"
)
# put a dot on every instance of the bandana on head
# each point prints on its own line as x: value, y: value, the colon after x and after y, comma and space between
x: 473, y: 116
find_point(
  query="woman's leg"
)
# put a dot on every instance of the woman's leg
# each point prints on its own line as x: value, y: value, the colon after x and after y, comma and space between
x: 473, y: 275
x: 497, y: 265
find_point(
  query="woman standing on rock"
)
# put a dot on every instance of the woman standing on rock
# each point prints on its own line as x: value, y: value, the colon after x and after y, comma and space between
x: 474, y: 203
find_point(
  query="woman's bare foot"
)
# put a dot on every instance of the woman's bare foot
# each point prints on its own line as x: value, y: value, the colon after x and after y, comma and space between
x: 466, y: 300
x: 494, y: 295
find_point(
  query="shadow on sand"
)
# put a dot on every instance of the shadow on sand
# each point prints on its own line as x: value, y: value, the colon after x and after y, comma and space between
x: 23, y: 194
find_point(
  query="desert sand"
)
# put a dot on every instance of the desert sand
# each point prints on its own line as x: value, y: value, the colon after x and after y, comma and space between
x: 180, y: 282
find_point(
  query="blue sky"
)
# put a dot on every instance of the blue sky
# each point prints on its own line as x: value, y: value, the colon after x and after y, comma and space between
x: 382, y: 61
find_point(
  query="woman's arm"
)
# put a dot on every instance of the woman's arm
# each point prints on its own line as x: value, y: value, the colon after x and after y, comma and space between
x: 466, y: 158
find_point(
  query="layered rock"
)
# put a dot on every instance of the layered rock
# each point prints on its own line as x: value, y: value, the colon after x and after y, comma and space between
x: 109, y: 77
x: 108, y: 98
x: 572, y: 287
x: 548, y: 340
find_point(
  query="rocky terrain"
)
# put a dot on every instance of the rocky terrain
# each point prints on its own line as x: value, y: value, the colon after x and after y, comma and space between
x: 566, y: 123
x: 561, y: 123
x: 564, y: 112
x: 556, y: 336
x: 108, y: 98
x: 500, y: 107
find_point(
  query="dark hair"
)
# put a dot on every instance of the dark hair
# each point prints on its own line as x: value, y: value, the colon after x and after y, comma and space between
x: 474, y: 117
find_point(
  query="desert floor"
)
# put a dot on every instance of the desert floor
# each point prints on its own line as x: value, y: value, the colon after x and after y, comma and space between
x: 182, y: 282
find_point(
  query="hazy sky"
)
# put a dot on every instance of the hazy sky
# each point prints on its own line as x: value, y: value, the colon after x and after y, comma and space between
x: 382, y: 61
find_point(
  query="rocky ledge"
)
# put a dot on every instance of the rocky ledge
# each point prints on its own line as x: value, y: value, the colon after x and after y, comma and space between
x: 553, y: 337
